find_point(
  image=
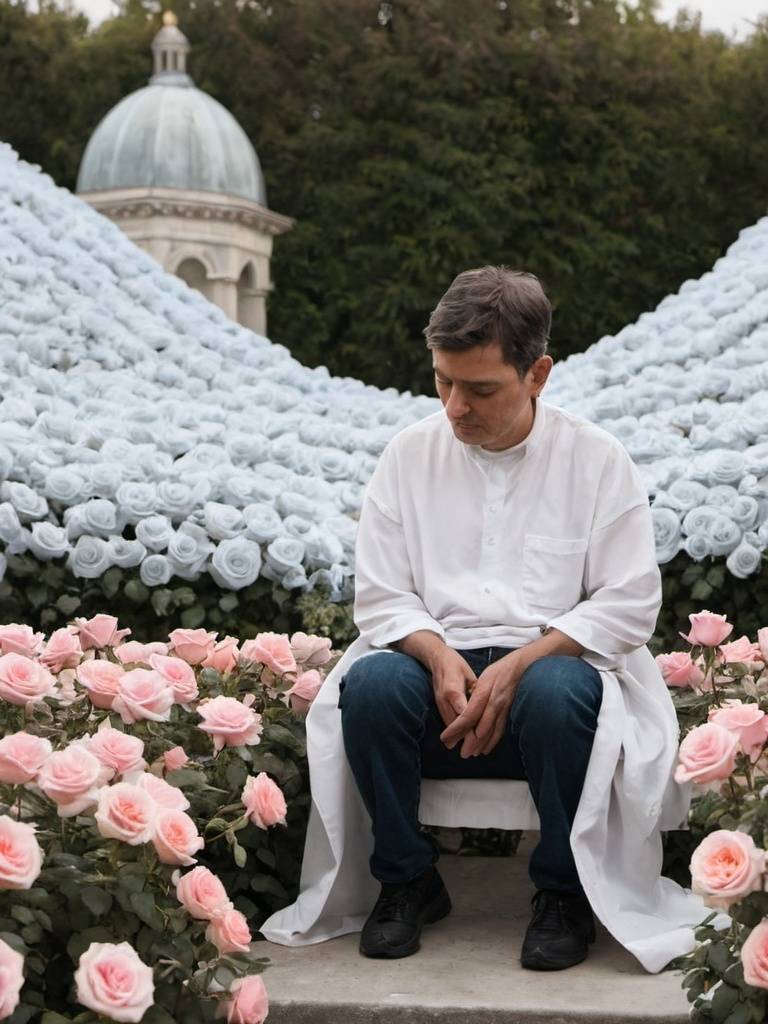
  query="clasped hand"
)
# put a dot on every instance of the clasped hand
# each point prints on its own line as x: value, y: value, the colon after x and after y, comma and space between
x: 475, y: 709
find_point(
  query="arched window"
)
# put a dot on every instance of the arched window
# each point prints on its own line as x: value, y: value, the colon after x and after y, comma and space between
x: 193, y: 273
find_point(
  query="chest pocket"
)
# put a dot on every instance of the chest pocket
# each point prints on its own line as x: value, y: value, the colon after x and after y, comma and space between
x: 553, y: 571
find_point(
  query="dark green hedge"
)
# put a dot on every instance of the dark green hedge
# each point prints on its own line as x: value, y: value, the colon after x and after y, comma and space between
x: 46, y: 596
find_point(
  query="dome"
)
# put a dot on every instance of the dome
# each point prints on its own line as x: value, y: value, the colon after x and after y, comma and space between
x: 170, y: 134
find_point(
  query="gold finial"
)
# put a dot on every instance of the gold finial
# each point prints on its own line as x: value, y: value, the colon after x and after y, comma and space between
x: 169, y: 18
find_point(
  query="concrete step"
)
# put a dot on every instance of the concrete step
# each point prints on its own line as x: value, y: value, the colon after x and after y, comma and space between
x: 467, y: 970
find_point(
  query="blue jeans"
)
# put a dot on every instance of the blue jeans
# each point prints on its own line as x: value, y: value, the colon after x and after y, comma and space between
x: 392, y: 727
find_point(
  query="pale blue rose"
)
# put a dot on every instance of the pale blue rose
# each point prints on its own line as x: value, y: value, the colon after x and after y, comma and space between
x: 235, y: 563
x: 48, y: 541
x: 156, y: 571
x: 222, y: 521
x: 89, y: 558
x: 744, y: 560
x: 154, y: 532
x: 667, y: 533
x: 125, y: 553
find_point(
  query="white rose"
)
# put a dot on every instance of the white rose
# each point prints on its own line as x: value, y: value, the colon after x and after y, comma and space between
x: 66, y: 484
x: 667, y: 532
x: 89, y: 558
x: 100, y: 517
x: 156, y: 571
x: 48, y: 541
x: 285, y: 553
x: 154, y: 532
x: 744, y: 560
x: 222, y: 521
x: 105, y: 479
x: 176, y: 499
x: 263, y: 523
x: 235, y: 563
x: 744, y: 511
x: 125, y: 553
x: 136, y: 501
x: 28, y: 504
x: 11, y: 531
x: 188, y: 551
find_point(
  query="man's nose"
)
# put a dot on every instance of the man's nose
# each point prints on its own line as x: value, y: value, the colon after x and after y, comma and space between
x: 456, y: 405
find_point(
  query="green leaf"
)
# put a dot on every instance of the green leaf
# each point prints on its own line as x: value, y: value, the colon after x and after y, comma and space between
x: 136, y: 591
x: 143, y: 904
x: 724, y: 1000
x: 240, y: 855
x: 193, y: 617
x: 97, y: 900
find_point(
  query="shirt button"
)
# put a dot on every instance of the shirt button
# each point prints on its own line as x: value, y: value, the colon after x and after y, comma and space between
x: 492, y: 508
x: 487, y: 588
x: 491, y: 540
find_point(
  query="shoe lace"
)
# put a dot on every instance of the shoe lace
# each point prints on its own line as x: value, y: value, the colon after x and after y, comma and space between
x: 395, y: 902
x: 548, y: 911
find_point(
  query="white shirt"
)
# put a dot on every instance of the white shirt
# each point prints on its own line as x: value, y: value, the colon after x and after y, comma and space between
x: 489, y: 548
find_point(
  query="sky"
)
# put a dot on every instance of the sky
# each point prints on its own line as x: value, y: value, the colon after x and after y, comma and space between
x: 731, y: 17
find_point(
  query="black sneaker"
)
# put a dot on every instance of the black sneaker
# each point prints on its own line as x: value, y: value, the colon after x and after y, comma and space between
x: 560, y: 932
x: 394, y: 928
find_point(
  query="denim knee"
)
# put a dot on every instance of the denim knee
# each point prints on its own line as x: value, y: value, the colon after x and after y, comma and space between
x: 556, y: 690
x: 381, y: 685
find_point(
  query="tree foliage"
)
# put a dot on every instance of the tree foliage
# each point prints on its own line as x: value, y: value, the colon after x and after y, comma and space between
x: 580, y: 139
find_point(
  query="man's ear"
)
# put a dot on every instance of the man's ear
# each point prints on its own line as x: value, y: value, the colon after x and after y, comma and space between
x: 538, y: 374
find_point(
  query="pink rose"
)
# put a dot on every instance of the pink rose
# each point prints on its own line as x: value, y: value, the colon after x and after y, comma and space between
x: 264, y: 801
x: 176, y: 838
x: 18, y: 639
x: 11, y: 979
x: 143, y: 694
x: 21, y: 757
x: 762, y: 643
x: 311, y: 650
x: 746, y: 721
x: 101, y: 679
x: 741, y: 650
x: 166, y: 796
x: 707, y: 629
x: 100, y: 631
x: 230, y: 723
x: 679, y: 669
x: 174, y: 758
x: 250, y: 1005
x: 725, y: 866
x: 707, y: 754
x: 229, y: 932
x: 202, y: 893
x: 62, y: 651
x: 23, y: 680
x: 126, y: 812
x: 21, y: 858
x: 113, y: 981
x: 178, y: 675
x: 304, y: 690
x: 754, y: 956
x: 117, y: 750
x: 192, y: 645
x: 224, y: 656
x: 71, y: 778
x: 272, y: 650
x: 133, y: 652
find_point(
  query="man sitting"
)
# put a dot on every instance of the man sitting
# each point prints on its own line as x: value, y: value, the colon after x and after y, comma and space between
x: 506, y: 584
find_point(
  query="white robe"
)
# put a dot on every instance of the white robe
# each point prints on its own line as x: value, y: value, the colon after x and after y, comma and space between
x: 489, y: 549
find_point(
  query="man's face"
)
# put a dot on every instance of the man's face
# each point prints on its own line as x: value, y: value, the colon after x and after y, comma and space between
x: 484, y: 399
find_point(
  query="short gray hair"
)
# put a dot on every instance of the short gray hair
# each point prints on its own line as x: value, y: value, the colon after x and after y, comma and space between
x: 489, y: 305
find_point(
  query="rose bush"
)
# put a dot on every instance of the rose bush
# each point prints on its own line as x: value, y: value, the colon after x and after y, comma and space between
x: 720, y: 690
x: 152, y: 810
